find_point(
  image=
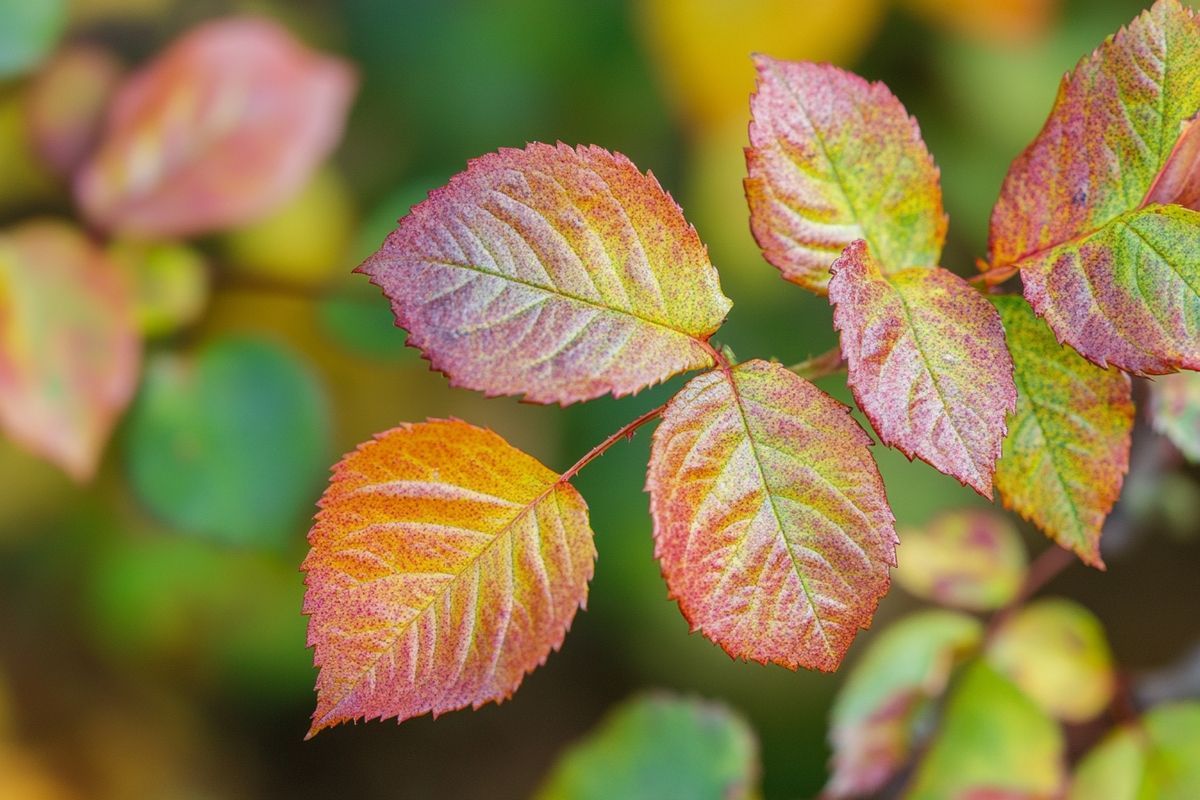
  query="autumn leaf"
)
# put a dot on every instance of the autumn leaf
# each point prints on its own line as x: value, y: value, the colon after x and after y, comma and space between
x: 887, y: 697
x: 69, y: 350
x: 1174, y: 406
x: 219, y: 130
x: 927, y: 363
x: 1113, y: 271
x: 1158, y: 757
x: 658, y: 746
x: 973, y: 560
x: 560, y: 273
x: 832, y: 159
x: 770, y: 520
x: 445, y: 565
x: 1067, y: 450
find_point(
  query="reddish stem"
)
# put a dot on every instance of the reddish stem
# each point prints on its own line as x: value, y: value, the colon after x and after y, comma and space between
x: 626, y: 432
x: 828, y: 363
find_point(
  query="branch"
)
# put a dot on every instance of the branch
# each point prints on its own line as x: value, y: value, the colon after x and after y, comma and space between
x: 830, y: 362
x: 626, y: 432
x: 1045, y: 568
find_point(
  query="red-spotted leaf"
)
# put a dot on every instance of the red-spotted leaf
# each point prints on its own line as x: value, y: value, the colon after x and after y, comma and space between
x: 1067, y: 449
x: 220, y: 129
x: 560, y: 273
x: 69, y: 350
x: 1175, y: 411
x: 833, y: 158
x: 927, y: 363
x: 770, y: 520
x: 1115, y: 273
x: 445, y: 565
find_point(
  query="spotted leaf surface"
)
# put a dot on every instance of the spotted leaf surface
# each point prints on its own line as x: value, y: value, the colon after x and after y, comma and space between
x: 770, y: 520
x: 69, y: 350
x: 1067, y: 449
x: 927, y: 363
x: 1175, y: 411
x: 445, y: 565
x: 1113, y: 271
x: 220, y: 129
x: 832, y: 159
x: 560, y: 273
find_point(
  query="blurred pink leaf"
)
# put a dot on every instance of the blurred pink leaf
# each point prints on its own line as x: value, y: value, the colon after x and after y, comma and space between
x: 218, y: 131
x: 68, y: 349
x: 66, y: 102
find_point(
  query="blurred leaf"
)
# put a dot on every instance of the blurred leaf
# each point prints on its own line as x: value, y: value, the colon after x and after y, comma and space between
x: 68, y: 350
x: 885, y: 702
x: 303, y: 243
x: 991, y: 738
x: 219, y: 130
x: 1009, y: 21
x: 1156, y: 760
x: 659, y: 747
x: 66, y: 103
x: 964, y: 559
x: 703, y: 47
x: 28, y: 30
x: 1055, y: 650
x: 169, y: 280
x: 1174, y: 405
x: 230, y: 444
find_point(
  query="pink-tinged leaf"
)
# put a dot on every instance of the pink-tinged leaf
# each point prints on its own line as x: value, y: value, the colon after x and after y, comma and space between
x: 770, y: 520
x: 69, y: 351
x: 1067, y: 449
x: 832, y: 159
x: 1114, y: 272
x: 560, y: 273
x: 927, y: 363
x: 445, y: 565
x: 1175, y: 411
x: 217, y: 131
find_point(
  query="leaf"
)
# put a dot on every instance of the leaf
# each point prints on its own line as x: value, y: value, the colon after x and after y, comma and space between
x: 219, y: 130
x: 170, y: 283
x: 879, y: 711
x: 1174, y: 405
x: 927, y: 363
x: 229, y: 445
x: 1067, y: 450
x: 69, y: 352
x: 1113, y: 272
x: 770, y: 520
x: 1055, y: 650
x: 964, y: 559
x: 660, y: 747
x: 992, y: 739
x: 66, y: 101
x: 560, y: 273
x: 445, y: 565
x: 833, y: 159
x: 1157, y: 760
x: 28, y: 31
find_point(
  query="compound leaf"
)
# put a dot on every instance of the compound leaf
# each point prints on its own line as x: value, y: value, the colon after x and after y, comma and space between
x: 1067, y: 449
x: 832, y: 159
x: 1113, y: 271
x: 888, y: 694
x: 659, y: 747
x: 770, y: 519
x: 69, y: 350
x: 965, y: 559
x: 445, y: 565
x: 1175, y: 411
x: 561, y: 273
x: 220, y: 129
x: 927, y: 363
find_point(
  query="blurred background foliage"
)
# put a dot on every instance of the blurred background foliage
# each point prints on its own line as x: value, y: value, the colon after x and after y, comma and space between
x: 151, y: 643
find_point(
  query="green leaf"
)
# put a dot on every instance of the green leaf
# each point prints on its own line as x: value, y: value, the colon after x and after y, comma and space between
x: 28, y: 31
x: 963, y: 559
x: 1175, y: 411
x: 878, y: 715
x: 1156, y: 760
x: 1067, y: 449
x: 231, y: 444
x: 1056, y: 651
x: 992, y: 738
x: 659, y: 747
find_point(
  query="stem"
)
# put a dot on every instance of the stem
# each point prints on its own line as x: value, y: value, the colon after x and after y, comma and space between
x: 626, y: 432
x: 1045, y: 568
x: 994, y: 276
x: 828, y: 363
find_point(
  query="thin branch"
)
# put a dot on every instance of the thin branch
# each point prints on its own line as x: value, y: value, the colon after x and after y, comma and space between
x: 626, y: 432
x: 830, y: 362
x: 1045, y: 568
